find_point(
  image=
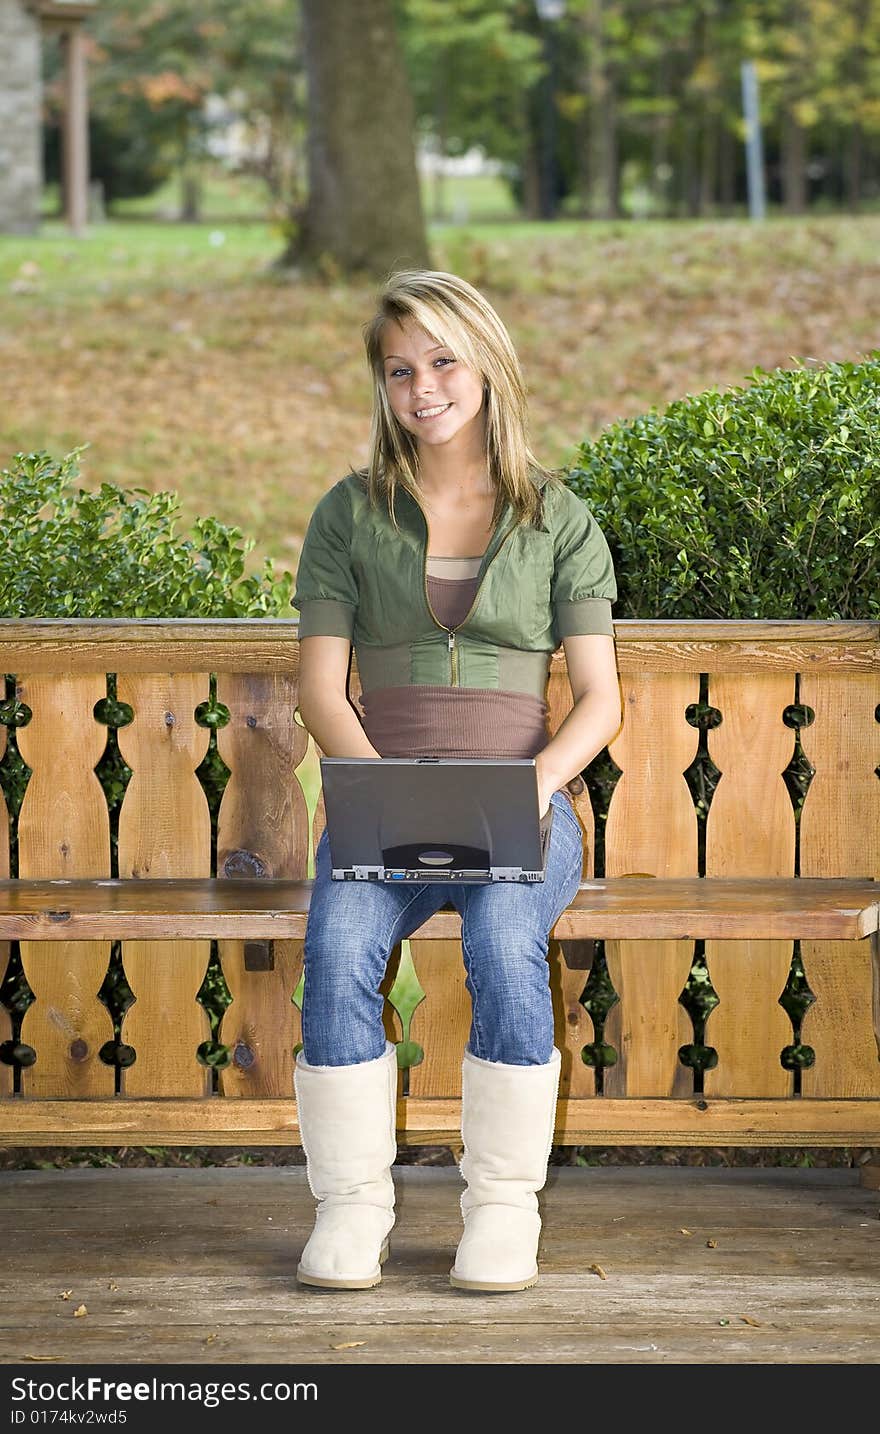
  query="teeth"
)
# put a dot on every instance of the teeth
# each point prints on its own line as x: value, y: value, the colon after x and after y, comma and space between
x: 429, y: 412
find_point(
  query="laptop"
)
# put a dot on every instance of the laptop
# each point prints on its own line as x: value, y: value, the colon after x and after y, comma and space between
x: 421, y: 819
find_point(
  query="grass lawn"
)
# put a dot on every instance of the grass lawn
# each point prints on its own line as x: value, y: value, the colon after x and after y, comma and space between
x: 227, y: 196
x: 186, y: 361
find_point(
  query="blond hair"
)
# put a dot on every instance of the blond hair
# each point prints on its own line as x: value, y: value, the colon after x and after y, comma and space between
x: 456, y: 314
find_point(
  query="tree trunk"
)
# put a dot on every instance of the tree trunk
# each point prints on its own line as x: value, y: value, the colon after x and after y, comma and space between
x: 794, y: 165
x: 363, y: 213
x: 708, y: 182
x: 689, y: 179
x: 852, y: 165
x: 441, y: 112
x: 726, y: 169
x: 531, y: 200
x: 855, y: 71
x: 190, y: 211
x: 661, y: 126
x: 604, y: 156
x: 531, y: 157
x: 190, y: 197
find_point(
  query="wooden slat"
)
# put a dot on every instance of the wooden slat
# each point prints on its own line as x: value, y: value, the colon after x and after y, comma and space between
x: 651, y: 831
x: 603, y: 1121
x: 572, y: 1025
x: 645, y: 909
x: 725, y: 656
x: 64, y: 831
x: 840, y: 831
x: 750, y: 832
x: 74, y: 645
x: 146, y: 645
x: 441, y: 1022
x: 165, y: 831
x: 749, y: 645
x: 7, y: 1078
x: 262, y: 831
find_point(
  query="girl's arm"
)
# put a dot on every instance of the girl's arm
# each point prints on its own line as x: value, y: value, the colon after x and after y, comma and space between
x: 323, y: 702
x: 593, y: 720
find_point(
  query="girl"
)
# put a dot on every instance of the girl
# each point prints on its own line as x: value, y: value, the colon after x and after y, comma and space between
x: 456, y: 564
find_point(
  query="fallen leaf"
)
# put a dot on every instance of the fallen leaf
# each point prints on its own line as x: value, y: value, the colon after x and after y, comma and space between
x: 349, y: 1344
x: 597, y: 1270
x: 111, y: 1286
x: 43, y: 1358
x: 724, y: 1321
x: 683, y: 1231
x: 747, y: 1319
x: 210, y: 1339
x: 79, y: 1311
x: 65, y: 1294
x: 711, y: 1244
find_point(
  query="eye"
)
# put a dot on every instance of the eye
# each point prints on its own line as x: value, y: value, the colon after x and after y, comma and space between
x: 443, y: 359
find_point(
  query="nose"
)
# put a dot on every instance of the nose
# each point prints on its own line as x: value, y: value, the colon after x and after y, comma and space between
x: 425, y: 384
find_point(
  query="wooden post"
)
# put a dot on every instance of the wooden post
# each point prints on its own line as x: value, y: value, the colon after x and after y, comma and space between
x: 76, y: 130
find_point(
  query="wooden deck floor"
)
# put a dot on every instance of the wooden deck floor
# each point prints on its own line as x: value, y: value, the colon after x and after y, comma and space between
x: 196, y: 1266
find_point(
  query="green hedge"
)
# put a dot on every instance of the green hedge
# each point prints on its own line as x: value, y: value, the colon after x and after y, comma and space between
x: 755, y: 502
x: 68, y: 552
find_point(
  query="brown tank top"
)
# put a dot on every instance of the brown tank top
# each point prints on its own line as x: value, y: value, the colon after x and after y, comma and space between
x: 436, y: 721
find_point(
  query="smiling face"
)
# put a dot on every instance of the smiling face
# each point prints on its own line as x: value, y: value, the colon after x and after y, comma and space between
x: 433, y: 395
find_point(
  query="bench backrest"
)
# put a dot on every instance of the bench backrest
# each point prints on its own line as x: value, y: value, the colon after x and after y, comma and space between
x: 723, y: 796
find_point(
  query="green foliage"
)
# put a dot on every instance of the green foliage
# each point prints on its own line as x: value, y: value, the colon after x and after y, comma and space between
x: 470, y: 63
x: 114, y: 553
x: 152, y: 69
x: 127, y: 150
x: 759, y: 502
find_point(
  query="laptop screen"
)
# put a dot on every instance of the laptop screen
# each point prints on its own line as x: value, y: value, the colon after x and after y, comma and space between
x: 433, y: 819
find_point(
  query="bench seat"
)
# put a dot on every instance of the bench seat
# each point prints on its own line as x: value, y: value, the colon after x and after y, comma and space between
x: 618, y: 908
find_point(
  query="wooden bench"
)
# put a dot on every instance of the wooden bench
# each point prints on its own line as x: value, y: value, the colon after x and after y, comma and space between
x: 739, y: 883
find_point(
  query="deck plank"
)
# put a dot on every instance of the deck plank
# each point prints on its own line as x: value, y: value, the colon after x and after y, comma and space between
x: 197, y: 1267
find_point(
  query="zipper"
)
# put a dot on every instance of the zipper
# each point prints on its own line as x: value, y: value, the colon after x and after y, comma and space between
x: 451, y: 631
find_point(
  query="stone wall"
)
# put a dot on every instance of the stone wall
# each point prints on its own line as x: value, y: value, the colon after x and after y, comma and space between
x: 21, y: 167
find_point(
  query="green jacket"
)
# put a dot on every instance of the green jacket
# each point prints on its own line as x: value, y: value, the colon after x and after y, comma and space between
x: 359, y: 578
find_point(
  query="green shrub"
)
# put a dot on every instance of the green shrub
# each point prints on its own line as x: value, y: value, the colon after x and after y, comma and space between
x: 756, y: 502
x: 114, y: 553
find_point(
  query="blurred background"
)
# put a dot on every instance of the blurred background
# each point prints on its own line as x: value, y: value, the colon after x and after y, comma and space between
x: 199, y: 197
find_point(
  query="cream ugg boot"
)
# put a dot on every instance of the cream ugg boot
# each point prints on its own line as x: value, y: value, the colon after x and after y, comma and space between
x: 507, y: 1120
x: 347, y: 1119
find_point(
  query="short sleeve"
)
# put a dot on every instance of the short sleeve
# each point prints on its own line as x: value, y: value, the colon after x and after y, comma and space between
x: 583, y: 586
x: 326, y: 595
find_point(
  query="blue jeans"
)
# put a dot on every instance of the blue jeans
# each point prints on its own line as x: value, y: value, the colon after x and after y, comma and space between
x: 353, y: 927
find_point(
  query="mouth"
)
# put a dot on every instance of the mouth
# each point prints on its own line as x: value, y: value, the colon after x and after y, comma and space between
x: 424, y: 415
